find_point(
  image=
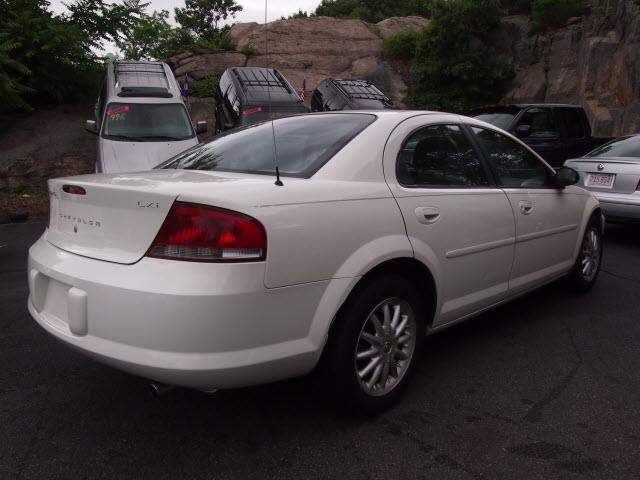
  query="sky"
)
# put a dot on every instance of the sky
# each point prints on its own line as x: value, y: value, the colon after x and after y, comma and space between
x: 253, y: 10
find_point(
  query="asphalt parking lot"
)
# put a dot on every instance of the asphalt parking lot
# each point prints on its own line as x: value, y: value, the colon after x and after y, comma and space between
x: 546, y: 387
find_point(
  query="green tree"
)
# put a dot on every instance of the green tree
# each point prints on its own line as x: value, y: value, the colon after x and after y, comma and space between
x: 150, y: 38
x: 455, y: 66
x: 555, y: 13
x: 373, y: 10
x: 202, y: 16
x: 47, y: 58
x: 104, y: 22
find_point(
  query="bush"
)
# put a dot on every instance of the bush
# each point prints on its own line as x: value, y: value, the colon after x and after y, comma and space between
x: 401, y: 45
x: 215, y: 41
x: 547, y: 14
x: 455, y: 67
x: 248, y: 49
x: 373, y: 10
x: 513, y: 7
x: 203, y: 88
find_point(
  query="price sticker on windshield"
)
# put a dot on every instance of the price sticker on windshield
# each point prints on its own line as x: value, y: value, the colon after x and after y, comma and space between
x: 118, y: 113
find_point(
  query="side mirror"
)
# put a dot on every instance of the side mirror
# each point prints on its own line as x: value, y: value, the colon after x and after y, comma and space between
x: 523, y: 131
x: 566, y: 176
x: 201, y: 126
x: 91, y: 126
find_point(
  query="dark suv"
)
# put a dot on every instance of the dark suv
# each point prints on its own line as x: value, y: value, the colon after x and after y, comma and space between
x: 346, y: 94
x: 556, y: 132
x: 247, y: 95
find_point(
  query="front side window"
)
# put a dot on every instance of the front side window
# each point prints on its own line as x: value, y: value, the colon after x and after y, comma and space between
x: 514, y: 165
x: 303, y: 144
x: 439, y: 156
x: 147, y: 122
x: 539, y: 123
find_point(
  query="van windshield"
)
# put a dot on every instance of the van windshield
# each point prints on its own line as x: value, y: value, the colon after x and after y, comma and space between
x: 304, y: 143
x: 146, y: 122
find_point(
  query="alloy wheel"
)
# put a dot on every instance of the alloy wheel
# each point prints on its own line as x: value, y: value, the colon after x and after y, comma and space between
x: 385, y: 346
x: 590, y: 255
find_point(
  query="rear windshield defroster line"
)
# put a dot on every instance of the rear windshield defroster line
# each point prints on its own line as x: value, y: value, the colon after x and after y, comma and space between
x: 304, y: 144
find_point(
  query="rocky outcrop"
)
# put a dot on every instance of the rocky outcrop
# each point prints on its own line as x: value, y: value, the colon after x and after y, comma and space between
x: 593, y: 61
x: 312, y: 48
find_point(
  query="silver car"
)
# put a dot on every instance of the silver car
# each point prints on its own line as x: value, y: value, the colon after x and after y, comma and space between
x: 612, y: 173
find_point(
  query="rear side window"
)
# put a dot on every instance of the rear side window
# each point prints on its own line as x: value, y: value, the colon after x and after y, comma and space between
x: 572, y: 122
x: 303, y: 143
x: 515, y: 166
x: 439, y: 156
x: 500, y: 120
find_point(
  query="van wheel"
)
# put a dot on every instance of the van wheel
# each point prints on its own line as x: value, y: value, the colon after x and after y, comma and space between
x: 374, y: 346
x: 585, y: 272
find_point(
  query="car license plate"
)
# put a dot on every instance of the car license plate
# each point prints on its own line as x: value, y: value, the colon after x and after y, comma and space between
x: 600, y: 180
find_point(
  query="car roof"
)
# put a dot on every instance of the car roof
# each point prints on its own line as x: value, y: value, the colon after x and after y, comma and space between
x: 259, y: 85
x: 148, y: 82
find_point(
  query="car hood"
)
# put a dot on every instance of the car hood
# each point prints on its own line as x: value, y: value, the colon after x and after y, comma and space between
x: 120, y: 156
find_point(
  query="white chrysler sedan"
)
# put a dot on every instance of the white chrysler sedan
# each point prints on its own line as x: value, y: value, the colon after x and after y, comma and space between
x: 388, y: 226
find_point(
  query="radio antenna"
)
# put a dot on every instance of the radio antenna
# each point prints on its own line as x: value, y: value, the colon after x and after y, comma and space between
x: 278, y: 182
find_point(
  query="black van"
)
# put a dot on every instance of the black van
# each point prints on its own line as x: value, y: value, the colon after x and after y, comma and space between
x: 348, y: 94
x: 246, y: 95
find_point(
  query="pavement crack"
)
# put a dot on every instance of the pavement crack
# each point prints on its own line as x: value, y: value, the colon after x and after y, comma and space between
x: 622, y: 277
x: 535, y: 412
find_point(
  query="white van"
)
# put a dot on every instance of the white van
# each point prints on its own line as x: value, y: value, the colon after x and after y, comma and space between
x: 140, y: 118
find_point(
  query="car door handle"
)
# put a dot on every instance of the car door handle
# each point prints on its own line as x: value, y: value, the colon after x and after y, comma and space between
x: 427, y: 215
x: 526, y: 207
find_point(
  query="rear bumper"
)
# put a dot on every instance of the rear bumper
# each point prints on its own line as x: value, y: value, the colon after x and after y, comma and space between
x: 182, y: 323
x: 620, y: 206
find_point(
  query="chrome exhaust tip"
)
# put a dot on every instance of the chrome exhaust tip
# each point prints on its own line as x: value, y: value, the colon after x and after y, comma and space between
x: 159, y: 389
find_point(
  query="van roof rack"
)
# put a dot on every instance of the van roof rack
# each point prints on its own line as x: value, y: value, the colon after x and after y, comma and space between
x: 141, y: 79
x: 144, y: 92
x: 360, y: 89
x: 262, y: 78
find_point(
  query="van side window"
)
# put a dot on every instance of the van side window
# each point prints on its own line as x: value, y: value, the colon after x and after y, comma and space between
x: 225, y: 81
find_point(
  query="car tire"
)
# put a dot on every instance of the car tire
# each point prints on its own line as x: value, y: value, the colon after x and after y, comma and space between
x: 378, y: 335
x: 585, y: 272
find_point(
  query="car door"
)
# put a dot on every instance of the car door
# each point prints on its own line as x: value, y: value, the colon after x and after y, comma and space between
x: 460, y: 225
x: 542, y: 133
x: 547, y: 217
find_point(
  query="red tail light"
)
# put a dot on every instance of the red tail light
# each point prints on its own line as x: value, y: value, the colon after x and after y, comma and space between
x: 251, y: 111
x: 207, y: 234
x: 74, y: 189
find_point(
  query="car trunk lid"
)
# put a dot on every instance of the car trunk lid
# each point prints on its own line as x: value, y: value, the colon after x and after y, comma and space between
x: 119, y: 215
x: 626, y: 172
x: 109, y: 221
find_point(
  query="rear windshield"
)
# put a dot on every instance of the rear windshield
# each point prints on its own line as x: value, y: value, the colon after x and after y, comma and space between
x: 146, y: 122
x: 260, y: 114
x: 499, y: 119
x: 303, y: 144
x: 621, y: 147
